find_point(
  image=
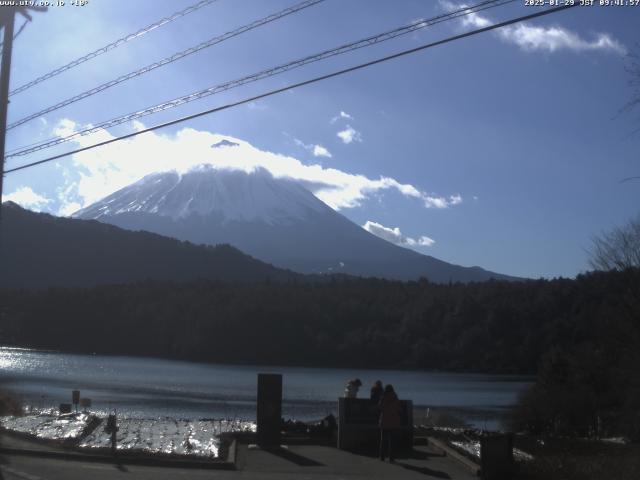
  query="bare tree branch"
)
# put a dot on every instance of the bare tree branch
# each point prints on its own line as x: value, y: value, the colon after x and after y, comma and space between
x: 618, y: 249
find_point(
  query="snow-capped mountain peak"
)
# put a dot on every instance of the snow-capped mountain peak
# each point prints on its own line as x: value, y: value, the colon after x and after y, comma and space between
x: 273, y: 219
x: 225, y: 143
x: 206, y: 190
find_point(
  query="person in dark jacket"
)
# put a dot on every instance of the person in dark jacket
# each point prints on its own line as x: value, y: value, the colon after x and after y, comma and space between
x: 390, y: 420
x: 376, y: 392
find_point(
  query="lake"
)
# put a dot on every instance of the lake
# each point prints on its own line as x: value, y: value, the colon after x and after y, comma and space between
x: 150, y: 387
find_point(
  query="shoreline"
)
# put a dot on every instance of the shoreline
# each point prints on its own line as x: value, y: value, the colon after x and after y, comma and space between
x: 517, y: 376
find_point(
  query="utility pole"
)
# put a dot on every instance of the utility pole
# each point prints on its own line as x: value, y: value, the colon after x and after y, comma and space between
x: 7, y: 20
x: 7, y: 17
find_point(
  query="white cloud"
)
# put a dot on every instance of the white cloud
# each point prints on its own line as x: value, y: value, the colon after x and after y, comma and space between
x: 394, y: 235
x: 474, y: 20
x: 471, y: 19
x: 435, y: 202
x: 431, y: 201
x: 99, y: 172
x: 349, y: 134
x: 533, y: 38
x: 316, y: 149
x: 425, y: 241
x: 27, y: 198
x: 342, y: 115
x: 552, y: 39
x: 68, y: 209
x: 66, y: 127
x: 320, y: 151
x: 455, y: 199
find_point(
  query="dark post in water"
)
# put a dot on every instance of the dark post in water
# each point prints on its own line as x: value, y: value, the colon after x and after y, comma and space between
x: 75, y: 398
x: 269, y: 409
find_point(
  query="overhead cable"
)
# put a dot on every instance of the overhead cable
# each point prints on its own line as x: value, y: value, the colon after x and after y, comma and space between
x: 165, y: 61
x: 349, y: 47
x: 297, y: 85
x: 112, y: 45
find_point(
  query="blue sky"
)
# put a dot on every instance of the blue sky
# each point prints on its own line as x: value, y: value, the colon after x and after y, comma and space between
x: 503, y: 150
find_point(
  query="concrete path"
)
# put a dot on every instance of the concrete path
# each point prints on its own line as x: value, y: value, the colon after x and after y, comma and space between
x: 295, y: 462
x: 311, y: 462
x: 38, y: 468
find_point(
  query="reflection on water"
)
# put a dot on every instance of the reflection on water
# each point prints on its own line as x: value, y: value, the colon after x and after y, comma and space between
x: 146, y: 387
x: 17, y: 358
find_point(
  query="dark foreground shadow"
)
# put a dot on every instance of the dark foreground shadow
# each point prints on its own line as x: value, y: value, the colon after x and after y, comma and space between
x: 299, y: 460
x: 424, y: 470
x: 420, y: 455
x: 412, y: 454
x: 3, y: 461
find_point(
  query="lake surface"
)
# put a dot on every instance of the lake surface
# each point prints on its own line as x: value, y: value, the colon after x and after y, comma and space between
x: 149, y: 387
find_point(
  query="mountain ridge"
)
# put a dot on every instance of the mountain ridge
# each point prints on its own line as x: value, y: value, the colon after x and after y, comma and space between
x: 276, y: 220
x: 39, y: 250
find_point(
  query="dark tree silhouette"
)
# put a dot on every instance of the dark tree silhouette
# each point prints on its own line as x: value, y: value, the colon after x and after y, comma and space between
x: 618, y: 249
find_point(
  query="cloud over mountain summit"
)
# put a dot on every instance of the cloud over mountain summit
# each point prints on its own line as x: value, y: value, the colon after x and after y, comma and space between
x: 105, y: 170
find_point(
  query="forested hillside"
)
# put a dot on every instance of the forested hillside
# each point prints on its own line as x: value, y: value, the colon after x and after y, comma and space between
x: 40, y: 251
x: 491, y: 327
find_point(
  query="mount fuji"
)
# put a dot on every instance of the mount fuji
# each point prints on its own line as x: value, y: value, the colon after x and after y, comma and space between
x: 276, y: 220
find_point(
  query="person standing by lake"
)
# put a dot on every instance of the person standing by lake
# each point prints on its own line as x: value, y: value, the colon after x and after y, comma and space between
x: 376, y: 393
x: 390, y: 420
x: 352, y: 387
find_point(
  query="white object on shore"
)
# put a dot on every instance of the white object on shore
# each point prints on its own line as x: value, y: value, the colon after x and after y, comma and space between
x: 616, y: 440
x: 48, y: 427
x: 168, y: 436
x: 473, y: 448
x: 199, y: 438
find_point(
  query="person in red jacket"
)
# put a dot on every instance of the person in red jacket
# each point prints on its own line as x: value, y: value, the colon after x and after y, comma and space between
x: 390, y: 420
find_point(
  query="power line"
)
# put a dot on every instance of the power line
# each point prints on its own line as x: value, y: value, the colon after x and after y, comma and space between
x: 24, y: 24
x: 18, y: 33
x: 629, y: 179
x: 112, y: 45
x: 263, y: 74
x: 17, y: 150
x: 165, y: 61
x: 299, y: 84
x: 372, y: 40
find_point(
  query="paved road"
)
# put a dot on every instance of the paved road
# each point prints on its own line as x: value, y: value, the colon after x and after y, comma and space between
x: 33, y: 468
x: 296, y: 462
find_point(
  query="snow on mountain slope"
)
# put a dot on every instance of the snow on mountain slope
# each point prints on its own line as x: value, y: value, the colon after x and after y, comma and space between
x: 276, y: 220
x: 233, y: 194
